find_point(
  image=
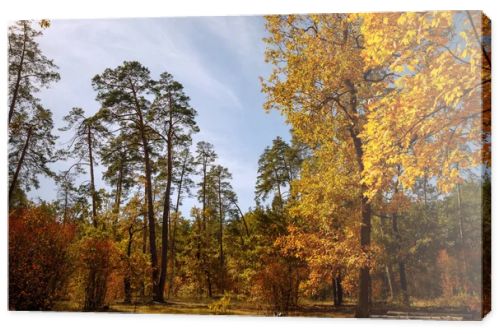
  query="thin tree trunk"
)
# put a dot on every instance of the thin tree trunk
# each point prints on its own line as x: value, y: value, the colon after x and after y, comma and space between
x: 334, y: 290
x: 338, y: 291
x: 242, y: 218
x: 174, y: 230
x: 65, y: 212
x: 127, y: 280
x: 401, y: 265
x: 166, y: 213
x: 461, y: 237
x: 20, y: 163
x: 221, y: 226
x: 205, y: 234
x: 18, y: 77
x: 118, y: 195
x: 278, y: 187
x: 92, y: 181
x: 388, y: 273
x: 144, y: 240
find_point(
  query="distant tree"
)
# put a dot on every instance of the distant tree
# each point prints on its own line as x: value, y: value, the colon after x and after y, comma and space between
x: 205, y: 156
x: 69, y: 196
x: 278, y: 166
x: 122, y: 162
x: 89, y: 134
x: 222, y: 191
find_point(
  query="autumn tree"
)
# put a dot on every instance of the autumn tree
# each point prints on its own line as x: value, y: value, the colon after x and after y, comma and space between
x: 320, y: 84
x: 440, y: 65
x: 324, y: 221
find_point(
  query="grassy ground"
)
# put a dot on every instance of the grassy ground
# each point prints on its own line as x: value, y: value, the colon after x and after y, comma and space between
x: 241, y: 308
x: 307, y: 308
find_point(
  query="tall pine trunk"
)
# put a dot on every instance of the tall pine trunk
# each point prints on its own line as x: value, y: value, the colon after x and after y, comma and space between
x: 127, y: 285
x: 118, y: 194
x: 221, y: 227
x: 166, y: 213
x: 92, y: 180
x: 204, y: 234
x: 174, y: 230
x: 20, y: 163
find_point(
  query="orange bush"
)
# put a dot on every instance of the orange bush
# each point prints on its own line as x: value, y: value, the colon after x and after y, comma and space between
x: 39, y: 262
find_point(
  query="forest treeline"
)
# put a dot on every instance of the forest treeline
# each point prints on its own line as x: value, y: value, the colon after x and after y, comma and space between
x: 380, y: 197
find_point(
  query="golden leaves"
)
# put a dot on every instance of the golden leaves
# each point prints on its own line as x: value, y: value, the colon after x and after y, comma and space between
x: 422, y: 125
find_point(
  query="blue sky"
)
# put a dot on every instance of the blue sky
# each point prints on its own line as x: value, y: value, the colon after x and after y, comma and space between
x: 217, y: 59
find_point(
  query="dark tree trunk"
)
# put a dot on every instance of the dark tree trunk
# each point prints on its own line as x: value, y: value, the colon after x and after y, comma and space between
x: 144, y: 242
x: 127, y: 286
x: 221, y: 229
x: 205, y: 234
x: 278, y: 187
x: 242, y: 218
x: 401, y: 265
x: 209, y: 283
x: 338, y: 291
x: 364, y: 294
x: 388, y: 273
x: 65, y: 212
x: 461, y: 238
x: 174, y: 232
x: 20, y: 163
x: 118, y: 195
x: 92, y: 180
x: 166, y: 212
